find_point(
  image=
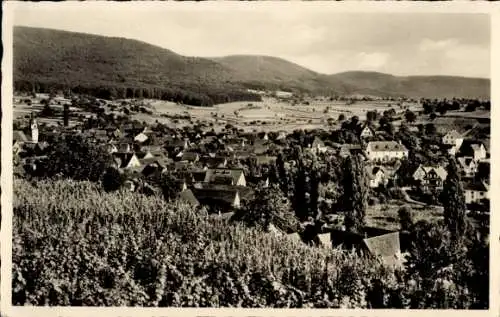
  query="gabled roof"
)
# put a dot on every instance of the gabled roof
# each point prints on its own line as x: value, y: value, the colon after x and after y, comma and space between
x: 385, y: 146
x: 476, y: 186
x: 317, y: 142
x: 123, y: 158
x: 386, y: 247
x: 453, y: 134
x: 222, y: 173
x: 468, y: 147
x: 213, y: 162
x: 265, y: 159
x: 439, y: 170
x: 465, y: 161
x: 190, y: 156
x: 212, y: 195
x: 373, y: 171
x: 189, y: 197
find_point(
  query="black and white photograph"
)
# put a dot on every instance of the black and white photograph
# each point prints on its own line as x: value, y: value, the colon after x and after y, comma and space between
x: 272, y: 156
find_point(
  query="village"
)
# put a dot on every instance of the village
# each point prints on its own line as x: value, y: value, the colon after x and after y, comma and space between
x: 223, y: 172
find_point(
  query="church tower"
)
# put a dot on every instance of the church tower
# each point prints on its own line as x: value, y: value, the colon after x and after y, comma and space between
x: 34, y: 130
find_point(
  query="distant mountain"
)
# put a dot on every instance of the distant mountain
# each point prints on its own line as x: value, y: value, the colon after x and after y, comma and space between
x: 52, y: 57
x: 414, y: 86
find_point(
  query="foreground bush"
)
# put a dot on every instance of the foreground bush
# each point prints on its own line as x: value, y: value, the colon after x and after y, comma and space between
x: 74, y: 244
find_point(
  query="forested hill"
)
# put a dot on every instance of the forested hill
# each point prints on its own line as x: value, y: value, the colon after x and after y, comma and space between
x: 105, y: 66
x: 415, y: 86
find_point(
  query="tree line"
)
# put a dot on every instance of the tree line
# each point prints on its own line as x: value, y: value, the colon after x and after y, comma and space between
x: 201, y: 96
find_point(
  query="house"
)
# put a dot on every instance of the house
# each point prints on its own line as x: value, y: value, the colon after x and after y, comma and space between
x: 345, y: 150
x: 177, y: 145
x: 227, y: 199
x: 378, y: 243
x: 385, y: 151
x: 19, y: 140
x: 475, y: 192
x: 376, y: 176
x: 473, y: 149
x: 317, y: 145
x: 281, y: 136
x: 225, y: 176
x: 430, y: 177
x: 468, y: 166
x: 126, y: 160
x: 452, y: 138
x: 366, y: 132
x: 259, y: 147
x: 141, y: 137
x: 265, y: 159
x: 213, y: 162
x: 190, y: 157
x: 124, y: 147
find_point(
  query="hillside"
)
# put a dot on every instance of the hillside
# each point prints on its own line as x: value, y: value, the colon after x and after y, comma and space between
x: 79, y: 58
x: 414, y: 86
x: 272, y: 71
x: 45, y: 57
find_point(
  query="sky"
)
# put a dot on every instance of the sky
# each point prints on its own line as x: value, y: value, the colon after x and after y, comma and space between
x: 319, y: 38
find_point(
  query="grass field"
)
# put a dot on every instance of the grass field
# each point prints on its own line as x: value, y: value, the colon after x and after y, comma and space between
x: 267, y: 115
x: 386, y: 215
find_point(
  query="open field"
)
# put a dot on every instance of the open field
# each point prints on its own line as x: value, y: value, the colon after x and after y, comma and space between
x: 386, y: 215
x: 269, y: 114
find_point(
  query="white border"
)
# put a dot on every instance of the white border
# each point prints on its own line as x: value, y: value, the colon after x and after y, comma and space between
x: 288, y: 8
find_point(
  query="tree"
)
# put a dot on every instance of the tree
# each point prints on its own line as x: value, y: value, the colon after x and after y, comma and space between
x: 355, y: 194
x: 75, y: 157
x: 410, y: 116
x: 112, y: 179
x: 453, y: 200
x: 443, y: 109
x: 169, y: 186
x: 430, y: 129
x: 371, y: 116
x: 405, y: 218
x: 432, y: 116
x: 300, y: 204
x: 268, y: 207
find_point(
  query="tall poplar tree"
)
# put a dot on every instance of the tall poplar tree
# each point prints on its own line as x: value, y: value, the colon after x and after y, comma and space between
x: 355, y: 194
x: 453, y: 199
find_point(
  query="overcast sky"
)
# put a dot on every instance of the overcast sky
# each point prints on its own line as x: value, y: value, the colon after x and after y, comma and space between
x: 320, y: 39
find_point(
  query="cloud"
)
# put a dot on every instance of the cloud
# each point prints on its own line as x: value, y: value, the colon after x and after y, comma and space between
x: 372, y: 61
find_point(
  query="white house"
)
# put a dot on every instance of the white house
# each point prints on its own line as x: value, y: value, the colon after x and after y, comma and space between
x: 318, y: 146
x: 479, y: 151
x: 468, y: 166
x: 452, y: 137
x: 385, y: 151
x: 366, y: 132
x: 430, y: 176
x: 475, y: 192
x: 377, y: 176
x: 141, y: 137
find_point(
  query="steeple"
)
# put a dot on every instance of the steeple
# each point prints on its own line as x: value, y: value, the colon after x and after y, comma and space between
x: 34, y: 129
